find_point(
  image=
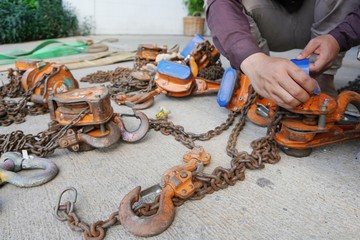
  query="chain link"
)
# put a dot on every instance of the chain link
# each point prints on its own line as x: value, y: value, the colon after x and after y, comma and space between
x: 41, y: 144
x: 166, y: 127
x: 15, y: 112
x: 212, y: 72
x: 352, y: 86
x: 13, y: 89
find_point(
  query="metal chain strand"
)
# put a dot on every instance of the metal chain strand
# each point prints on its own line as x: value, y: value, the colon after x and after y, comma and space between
x: 265, y: 150
x: 95, y: 231
x: 12, y: 89
x: 139, y: 62
x: 352, y: 86
x: 167, y: 127
x: 41, y: 144
x: 230, y: 148
x: 212, y: 72
x: 121, y: 81
x: 15, y: 112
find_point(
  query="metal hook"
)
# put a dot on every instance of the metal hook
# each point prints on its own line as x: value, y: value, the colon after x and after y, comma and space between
x: 12, y: 162
x: 147, y: 226
x: 139, y: 133
x: 136, y: 102
x: 102, y: 141
x: 176, y: 182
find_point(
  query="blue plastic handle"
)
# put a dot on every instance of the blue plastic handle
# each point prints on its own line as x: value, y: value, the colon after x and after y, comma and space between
x: 303, y: 64
x: 173, y: 69
x: 227, y: 87
x: 191, y: 45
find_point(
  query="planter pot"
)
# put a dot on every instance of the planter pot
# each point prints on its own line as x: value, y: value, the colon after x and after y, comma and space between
x: 194, y: 25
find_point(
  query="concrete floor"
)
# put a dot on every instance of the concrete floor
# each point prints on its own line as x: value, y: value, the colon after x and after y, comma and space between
x: 316, y: 197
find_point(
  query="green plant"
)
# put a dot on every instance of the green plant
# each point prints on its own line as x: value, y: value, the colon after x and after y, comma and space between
x: 27, y: 20
x: 87, y: 26
x: 194, y: 7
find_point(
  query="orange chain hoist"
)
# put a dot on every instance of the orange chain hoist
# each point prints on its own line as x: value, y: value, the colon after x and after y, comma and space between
x: 46, y: 79
x: 93, y: 123
x: 320, y: 121
x: 149, y: 52
x: 172, y: 79
x: 176, y: 79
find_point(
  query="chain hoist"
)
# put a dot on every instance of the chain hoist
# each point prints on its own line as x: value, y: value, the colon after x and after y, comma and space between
x: 39, y: 80
x: 82, y: 119
x: 198, y: 73
x: 320, y: 121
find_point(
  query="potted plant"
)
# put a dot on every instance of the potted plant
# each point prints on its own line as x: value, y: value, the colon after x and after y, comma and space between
x: 194, y: 22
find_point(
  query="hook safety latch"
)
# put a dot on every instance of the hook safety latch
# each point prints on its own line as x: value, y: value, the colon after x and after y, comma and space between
x: 176, y: 182
x: 12, y: 162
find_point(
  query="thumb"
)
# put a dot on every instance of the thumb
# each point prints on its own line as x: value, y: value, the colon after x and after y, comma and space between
x: 309, y: 49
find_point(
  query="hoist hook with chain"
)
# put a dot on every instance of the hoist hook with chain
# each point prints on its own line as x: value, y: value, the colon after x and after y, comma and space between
x: 176, y: 182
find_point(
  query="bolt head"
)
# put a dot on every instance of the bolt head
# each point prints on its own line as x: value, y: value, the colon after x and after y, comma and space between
x: 183, y: 174
x: 64, y: 143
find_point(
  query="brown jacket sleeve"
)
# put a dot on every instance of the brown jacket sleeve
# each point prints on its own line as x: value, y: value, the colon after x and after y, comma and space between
x: 230, y: 30
x: 347, y: 33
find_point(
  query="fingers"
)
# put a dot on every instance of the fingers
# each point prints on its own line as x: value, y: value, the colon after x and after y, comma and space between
x: 305, y: 84
x: 326, y: 47
x: 279, y: 80
x: 316, y: 66
x: 291, y: 93
x: 285, y: 92
x: 310, y: 48
x: 284, y: 99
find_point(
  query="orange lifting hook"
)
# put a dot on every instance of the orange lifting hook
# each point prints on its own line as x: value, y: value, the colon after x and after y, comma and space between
x: 176, y: 182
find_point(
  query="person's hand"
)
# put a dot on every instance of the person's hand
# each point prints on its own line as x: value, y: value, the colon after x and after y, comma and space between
x: 278, y: 79
x: 326, y: 47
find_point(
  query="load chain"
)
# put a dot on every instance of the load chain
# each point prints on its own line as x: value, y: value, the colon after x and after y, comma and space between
x: 352, y: 86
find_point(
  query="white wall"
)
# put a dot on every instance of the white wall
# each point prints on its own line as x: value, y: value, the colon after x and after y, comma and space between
x: 133, y: 16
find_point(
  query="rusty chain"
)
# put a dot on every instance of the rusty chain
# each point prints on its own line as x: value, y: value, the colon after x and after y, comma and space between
x: 122, y: 82
x: 15, y: 112
x: 13, y: 88
x: 139, y: 62
x: 41, y: 144
x: 94, y: 231
x: 212, y: 72
x: 166, y: 127
x: 352, y: 86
